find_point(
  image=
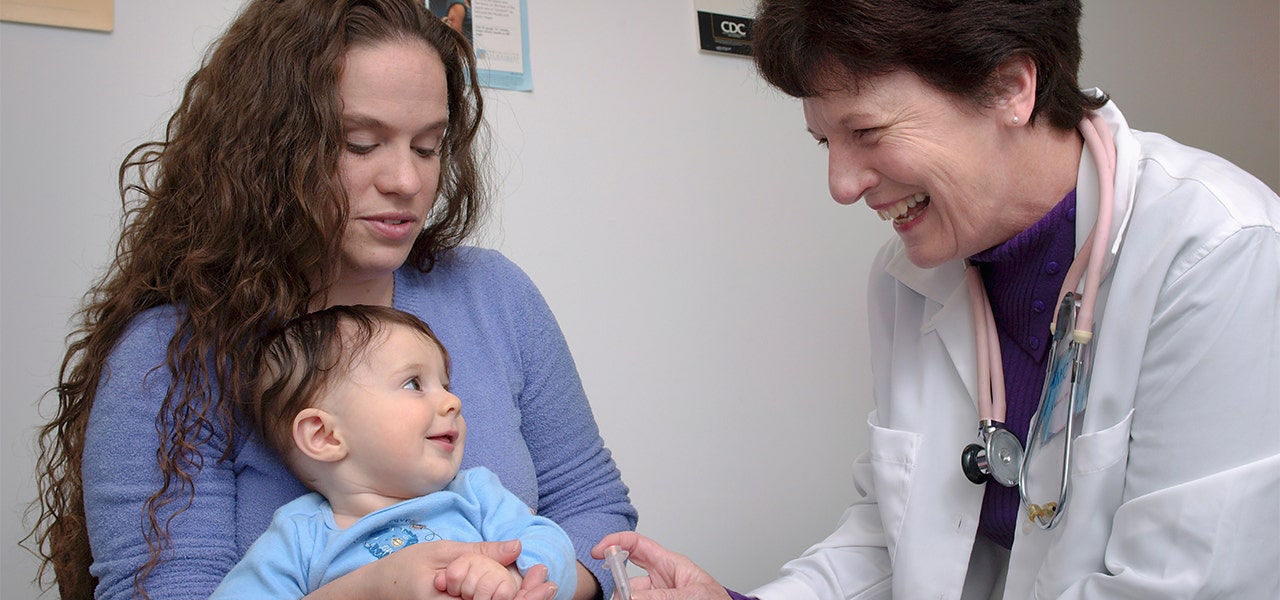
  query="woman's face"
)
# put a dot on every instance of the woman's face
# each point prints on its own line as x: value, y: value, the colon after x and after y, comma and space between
x: 394, y: 112
x: 925, y: 162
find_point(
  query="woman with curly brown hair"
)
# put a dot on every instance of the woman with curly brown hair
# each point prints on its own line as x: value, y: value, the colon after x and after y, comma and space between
x: 324, y: 153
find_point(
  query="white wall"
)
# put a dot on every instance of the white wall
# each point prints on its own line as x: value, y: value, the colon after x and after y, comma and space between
x: 1204, y: 73
x: 670, y: 206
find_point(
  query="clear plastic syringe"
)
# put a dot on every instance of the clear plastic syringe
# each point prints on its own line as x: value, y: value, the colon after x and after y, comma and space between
x: 615, y: 559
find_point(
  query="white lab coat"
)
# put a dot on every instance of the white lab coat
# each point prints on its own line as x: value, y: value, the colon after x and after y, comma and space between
x: 1176, y: 476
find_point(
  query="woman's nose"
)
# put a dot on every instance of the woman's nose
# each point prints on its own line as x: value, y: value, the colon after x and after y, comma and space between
x: 400, y: 175
x: 848, y: 175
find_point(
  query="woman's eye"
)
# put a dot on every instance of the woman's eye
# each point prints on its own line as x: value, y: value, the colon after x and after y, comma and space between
x: 413, y: 384
x: 425, y: 152
x: 822, y: 142
x: 360, y: 148
x: 865, y: 134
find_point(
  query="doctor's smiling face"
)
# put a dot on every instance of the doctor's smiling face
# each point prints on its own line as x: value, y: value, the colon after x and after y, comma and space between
x: 925, y: 160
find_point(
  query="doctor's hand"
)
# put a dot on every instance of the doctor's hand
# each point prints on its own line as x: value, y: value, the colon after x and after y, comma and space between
x: 670, y: 576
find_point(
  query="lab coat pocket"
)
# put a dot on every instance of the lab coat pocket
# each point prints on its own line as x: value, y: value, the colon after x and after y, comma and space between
x: 1096, y: 490
x: 892, y: 461
x: 1102, y: 450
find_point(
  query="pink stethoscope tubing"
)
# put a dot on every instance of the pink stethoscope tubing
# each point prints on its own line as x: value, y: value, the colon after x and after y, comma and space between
x: 991, y: 393
x: 1002, y: 449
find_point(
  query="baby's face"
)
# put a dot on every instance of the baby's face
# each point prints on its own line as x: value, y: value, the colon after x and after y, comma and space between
x: 401, y: 424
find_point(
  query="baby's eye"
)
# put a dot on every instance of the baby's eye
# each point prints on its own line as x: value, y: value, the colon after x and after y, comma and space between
x: 413, y: 384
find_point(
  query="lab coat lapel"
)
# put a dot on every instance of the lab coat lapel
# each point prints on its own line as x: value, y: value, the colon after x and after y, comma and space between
x: 948, y: 311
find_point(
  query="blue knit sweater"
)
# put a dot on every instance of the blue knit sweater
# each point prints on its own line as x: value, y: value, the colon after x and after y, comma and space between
x: 528, y: 421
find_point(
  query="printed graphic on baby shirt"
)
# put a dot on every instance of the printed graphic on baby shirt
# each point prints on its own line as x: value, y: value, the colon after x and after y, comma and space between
x: 399, y: 534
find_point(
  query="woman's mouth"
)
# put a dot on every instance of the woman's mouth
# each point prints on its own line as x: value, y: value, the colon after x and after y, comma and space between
x: 905, y: 210
x: 394, y: 227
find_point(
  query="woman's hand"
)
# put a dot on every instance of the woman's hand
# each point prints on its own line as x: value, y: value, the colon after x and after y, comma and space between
x: 478, y: 577
x: 670, y: 575
x: 410, y: 573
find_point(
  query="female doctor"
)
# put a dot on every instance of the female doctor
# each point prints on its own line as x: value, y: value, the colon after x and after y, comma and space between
x: 1035, y: 230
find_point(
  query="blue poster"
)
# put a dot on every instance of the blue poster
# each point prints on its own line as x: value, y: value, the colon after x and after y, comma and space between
x: 499, y: 32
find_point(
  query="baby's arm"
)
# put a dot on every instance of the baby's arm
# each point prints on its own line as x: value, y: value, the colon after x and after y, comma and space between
x: 545, y: 546
x: 478, y: 577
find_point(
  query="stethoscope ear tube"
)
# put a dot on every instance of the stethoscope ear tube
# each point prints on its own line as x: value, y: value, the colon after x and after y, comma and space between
x: 1001, y: 457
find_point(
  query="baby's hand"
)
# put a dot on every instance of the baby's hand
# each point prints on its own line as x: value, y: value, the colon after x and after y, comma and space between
x: 478, y: 577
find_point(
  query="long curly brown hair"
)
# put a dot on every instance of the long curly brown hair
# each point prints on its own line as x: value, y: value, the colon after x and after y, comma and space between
x: 236, y: 216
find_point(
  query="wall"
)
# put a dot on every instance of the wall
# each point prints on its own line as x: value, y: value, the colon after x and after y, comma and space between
x: 1204, y: 73
x: 670, y: 206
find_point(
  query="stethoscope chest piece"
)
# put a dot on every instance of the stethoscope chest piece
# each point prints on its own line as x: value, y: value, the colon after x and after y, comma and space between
x: 1000, y: 458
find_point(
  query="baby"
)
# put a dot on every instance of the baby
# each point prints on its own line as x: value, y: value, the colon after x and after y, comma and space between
x: 356, y: 401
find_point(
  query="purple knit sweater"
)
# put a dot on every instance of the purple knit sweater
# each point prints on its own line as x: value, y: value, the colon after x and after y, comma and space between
x: 1023, y: 277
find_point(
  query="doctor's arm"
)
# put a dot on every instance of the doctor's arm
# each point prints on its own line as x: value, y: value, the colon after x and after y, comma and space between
x: 1200, y: 515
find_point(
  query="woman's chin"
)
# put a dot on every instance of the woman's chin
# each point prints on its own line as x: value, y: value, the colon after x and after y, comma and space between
x: 925, y: 259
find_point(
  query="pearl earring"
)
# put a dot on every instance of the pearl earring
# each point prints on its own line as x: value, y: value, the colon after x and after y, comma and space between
x: 1015, y: 119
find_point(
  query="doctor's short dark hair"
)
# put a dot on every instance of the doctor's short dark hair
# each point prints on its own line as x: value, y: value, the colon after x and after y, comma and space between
x: 309, y: 354
x: 810, y: 47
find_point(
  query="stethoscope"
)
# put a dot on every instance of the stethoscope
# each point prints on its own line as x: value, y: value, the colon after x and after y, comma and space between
x: 1001, y: 456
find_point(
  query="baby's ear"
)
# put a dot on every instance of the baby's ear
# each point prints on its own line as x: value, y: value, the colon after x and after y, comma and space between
x: 316, y: 436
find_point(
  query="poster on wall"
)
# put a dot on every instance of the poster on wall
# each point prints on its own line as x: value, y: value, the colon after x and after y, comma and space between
x: 98, y: 15
x: 724, y: 26
x: 499, y: 32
